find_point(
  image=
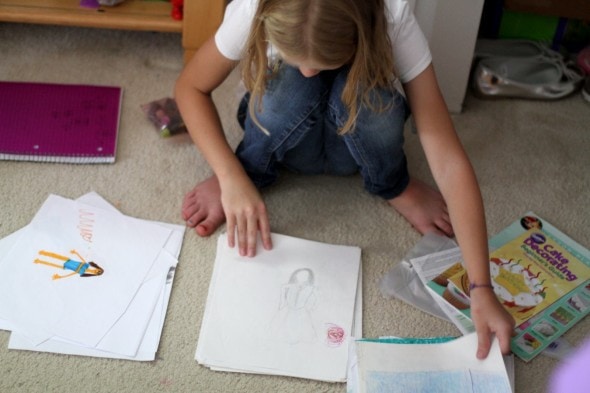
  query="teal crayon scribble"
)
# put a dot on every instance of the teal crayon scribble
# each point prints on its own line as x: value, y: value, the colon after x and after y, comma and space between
x: 410, y: 340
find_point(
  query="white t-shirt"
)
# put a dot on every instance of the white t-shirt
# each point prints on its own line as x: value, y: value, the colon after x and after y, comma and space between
x: 410, y: 48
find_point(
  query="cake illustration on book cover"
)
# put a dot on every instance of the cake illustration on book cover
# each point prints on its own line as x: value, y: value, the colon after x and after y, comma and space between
x: 53, y: 122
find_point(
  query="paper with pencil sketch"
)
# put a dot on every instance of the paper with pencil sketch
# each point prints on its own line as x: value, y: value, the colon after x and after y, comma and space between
x: 288, y: 311
x: 135, y: 333
x: 396, y: 365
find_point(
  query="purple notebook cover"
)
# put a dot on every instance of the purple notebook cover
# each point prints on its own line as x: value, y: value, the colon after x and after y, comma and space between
x: 59, y: 122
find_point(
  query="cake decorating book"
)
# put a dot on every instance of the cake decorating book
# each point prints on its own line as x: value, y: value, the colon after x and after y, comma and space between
x: 539, y: 274
x: 64, y: 123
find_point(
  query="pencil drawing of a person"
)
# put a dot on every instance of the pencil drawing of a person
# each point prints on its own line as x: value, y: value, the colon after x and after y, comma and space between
x: 294, y: 321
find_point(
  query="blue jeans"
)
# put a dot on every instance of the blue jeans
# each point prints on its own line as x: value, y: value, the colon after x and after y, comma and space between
x: 303, y: 115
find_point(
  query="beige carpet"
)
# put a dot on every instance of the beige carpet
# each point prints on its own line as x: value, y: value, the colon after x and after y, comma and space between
x: 528, y: 156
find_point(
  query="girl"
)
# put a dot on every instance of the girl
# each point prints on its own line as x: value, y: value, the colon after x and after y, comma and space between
x: 321, y: 77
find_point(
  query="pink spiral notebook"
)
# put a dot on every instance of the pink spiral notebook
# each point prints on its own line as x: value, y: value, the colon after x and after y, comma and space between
x: 59, y: 122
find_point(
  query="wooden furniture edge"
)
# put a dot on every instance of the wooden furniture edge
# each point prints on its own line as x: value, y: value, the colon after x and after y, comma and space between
x: 201, y: 17
x: 132, y: 15
x: 201, y: 20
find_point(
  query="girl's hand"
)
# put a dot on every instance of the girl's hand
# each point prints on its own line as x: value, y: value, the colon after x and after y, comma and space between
x: 489, y: 317
x: 246, y: 215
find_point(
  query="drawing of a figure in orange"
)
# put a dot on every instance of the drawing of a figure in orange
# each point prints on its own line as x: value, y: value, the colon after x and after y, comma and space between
x: 82, y: 268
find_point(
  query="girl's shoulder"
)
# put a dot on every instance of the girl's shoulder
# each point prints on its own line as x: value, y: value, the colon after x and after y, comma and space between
x: 411, y: 51
x: 397, y: 11
x: 231, y: 35
x: 244, y: 5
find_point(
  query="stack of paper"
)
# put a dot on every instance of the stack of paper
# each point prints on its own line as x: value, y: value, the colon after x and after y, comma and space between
x: 289, y: 311
x: 84, y: 279
x: 426, y: 365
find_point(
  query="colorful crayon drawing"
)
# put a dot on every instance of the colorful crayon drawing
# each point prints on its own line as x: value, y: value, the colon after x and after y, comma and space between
x: 81, y: 268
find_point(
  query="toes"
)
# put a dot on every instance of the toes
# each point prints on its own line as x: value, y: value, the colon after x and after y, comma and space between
x: 189, y: 208
x: 194, y: 220
x: 209, y: 225
x: 203, y: 230
x: 429, y: 228
x: 201, y: 207
x: 445, y: 227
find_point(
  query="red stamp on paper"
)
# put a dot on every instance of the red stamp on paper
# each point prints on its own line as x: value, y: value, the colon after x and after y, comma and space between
x: 334, y: 335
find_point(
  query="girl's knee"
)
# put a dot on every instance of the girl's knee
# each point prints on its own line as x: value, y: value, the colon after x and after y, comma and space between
x: 288, y: 100
x: 385, y: 112
x: 290, y: 89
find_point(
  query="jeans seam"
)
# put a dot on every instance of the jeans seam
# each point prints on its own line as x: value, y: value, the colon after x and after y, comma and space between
x: 267, y: 158
x: 365, y: 169
x: 289, y: 130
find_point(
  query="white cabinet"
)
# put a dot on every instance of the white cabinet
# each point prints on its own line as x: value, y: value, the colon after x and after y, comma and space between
x: 451, y: 28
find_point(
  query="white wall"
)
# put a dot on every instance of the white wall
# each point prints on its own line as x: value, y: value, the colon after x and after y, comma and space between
x: 451, y: 28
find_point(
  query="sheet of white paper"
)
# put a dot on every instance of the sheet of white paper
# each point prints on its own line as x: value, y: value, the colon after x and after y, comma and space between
x: 129, y: 338
x: 6, y: 245
x: 357, y: 327
x: 448, y: 367
x: 353, y: 384
x: 357, y: 331
x: 289, y: 311
x: 26, y: 296
x: 122, y: 330
x: 124, y: 247
x: 127, y: 333
x: 174, y: 243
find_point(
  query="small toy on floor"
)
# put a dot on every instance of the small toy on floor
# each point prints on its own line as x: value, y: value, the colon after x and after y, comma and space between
x: 164, y: 114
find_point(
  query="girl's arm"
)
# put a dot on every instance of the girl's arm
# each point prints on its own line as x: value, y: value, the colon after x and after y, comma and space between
x: 456, y: 180
x: 243, y: 206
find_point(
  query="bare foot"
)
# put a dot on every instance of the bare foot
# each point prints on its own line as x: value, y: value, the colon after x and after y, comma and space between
x: 424, y: 208
x: 201, y: 208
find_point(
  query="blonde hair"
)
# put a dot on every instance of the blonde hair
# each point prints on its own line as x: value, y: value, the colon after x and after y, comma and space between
x: 332, y: 33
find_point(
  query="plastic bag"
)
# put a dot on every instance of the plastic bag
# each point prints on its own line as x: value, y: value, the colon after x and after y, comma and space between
x: 165, y: 116
x: 402, y: 282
